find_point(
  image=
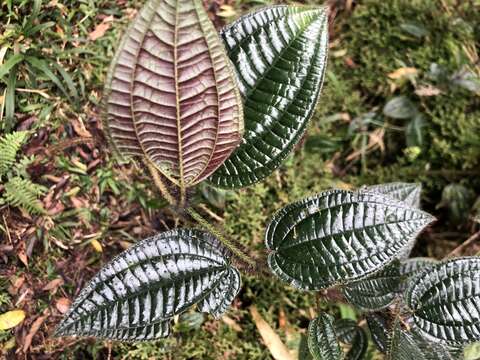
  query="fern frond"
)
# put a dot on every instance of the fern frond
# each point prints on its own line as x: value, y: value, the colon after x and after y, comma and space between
x: 10, y: 144
x: 24, y: 194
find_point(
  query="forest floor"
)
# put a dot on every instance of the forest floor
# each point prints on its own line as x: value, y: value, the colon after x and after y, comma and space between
x: 76, y: 207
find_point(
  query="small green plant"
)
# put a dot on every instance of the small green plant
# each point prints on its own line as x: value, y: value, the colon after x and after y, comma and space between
x: 228, y: 110
x: 18, y: 189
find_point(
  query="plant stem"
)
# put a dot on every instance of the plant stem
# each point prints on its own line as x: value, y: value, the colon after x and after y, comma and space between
x: 229, y: 244
x: 462, y: 246
x: 157, y: 179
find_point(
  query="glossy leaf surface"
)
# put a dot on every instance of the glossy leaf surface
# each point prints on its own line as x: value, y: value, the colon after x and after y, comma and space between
x: 280, y: 56
x: 407, y: 345
x: 409, y: 193
x: 412, y: 267
x: 349, y: 333
x: 445, y: 301
x: 172, y: 95
x: 339, y: 236
x: 379, y: 330
x: 377, y: 291
x: 138, y: 292
x: 322, y: 339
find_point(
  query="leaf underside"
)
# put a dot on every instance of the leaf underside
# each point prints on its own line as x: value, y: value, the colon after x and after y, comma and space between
x: 322, y: 339
x: 138, y: 292
x: 445, y: 301
x: 280, y: 55
x: 376, y: 292
x: 338, y: 237
x: 171, y: 94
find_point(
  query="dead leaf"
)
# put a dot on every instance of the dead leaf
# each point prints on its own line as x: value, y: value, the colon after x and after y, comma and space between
x: 403, y: 72
x: 80, y: 129
x: 101, y: 28
x: 428, y: 90
x: 272, y: 341
x: 63, y: 304
x: 96, y: 245
x: 10, y: 319
x: 226, y: 11
x: 231, y: 323
x: 34, y: 329
x: 53, y: 285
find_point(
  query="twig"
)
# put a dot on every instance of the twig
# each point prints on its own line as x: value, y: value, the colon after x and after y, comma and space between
x: 229, y: 244
x: 466, y: 243
x: 160, y: 184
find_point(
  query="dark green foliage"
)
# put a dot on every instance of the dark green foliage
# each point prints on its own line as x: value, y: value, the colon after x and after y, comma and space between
x: 407, y: 345
x: 375, y: 292
x: 313, y: 242
x: 445, y: 301
x: 322, y: 339
x: 378, y: 324
x: 138, y: 292
x: 354, y: 336
x: 280, y: 54
x: 409, y: 193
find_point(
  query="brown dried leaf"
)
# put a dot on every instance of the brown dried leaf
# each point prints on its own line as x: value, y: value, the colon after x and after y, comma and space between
x: 101, y: 28
x: 403, y: 72
x: 34, y: 329
x: 63, y: 304
x: 428, y: 90
x: 53, y: 285
x: 277, y: 348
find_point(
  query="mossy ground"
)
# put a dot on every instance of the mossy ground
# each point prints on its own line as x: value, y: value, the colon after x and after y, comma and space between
x: 115, y: 206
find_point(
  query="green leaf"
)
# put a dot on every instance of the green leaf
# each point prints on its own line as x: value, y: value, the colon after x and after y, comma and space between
x: 280, y: 55
x: 416, y: 30
x: 414, y: 132
x: 349, y: 333
x: 10, y: 145
x: 339, y: 236
x: 400, y: 107
x: 378, y: 325
x: 43, y: 66
x: 445, y: 301
x: 409, y: 193
x: 376, y: 292
x: 412, y: 267
x: 303, y: 350
x: 172, y: 95
x: 405, y: 345
x: 137, y: 293
x: 10, y: 63
x: 322, y: 340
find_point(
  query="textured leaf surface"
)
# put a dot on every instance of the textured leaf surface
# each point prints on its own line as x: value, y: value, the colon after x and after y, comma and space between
x: 409, y: 193
x: 445, y: 300
x: 379, y: 330
x: 412, y: 267
x: 322, y: 339
x: 405, y: 345
x: 377, y: 291
x: 280, y: 55
x: 349, y: 333
x: 339, y: 236
x: 172, y: 94
x: 137, y: 293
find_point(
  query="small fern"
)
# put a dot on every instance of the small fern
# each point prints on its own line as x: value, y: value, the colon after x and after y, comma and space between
x: 10, y: 144
x: 24, y: 193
